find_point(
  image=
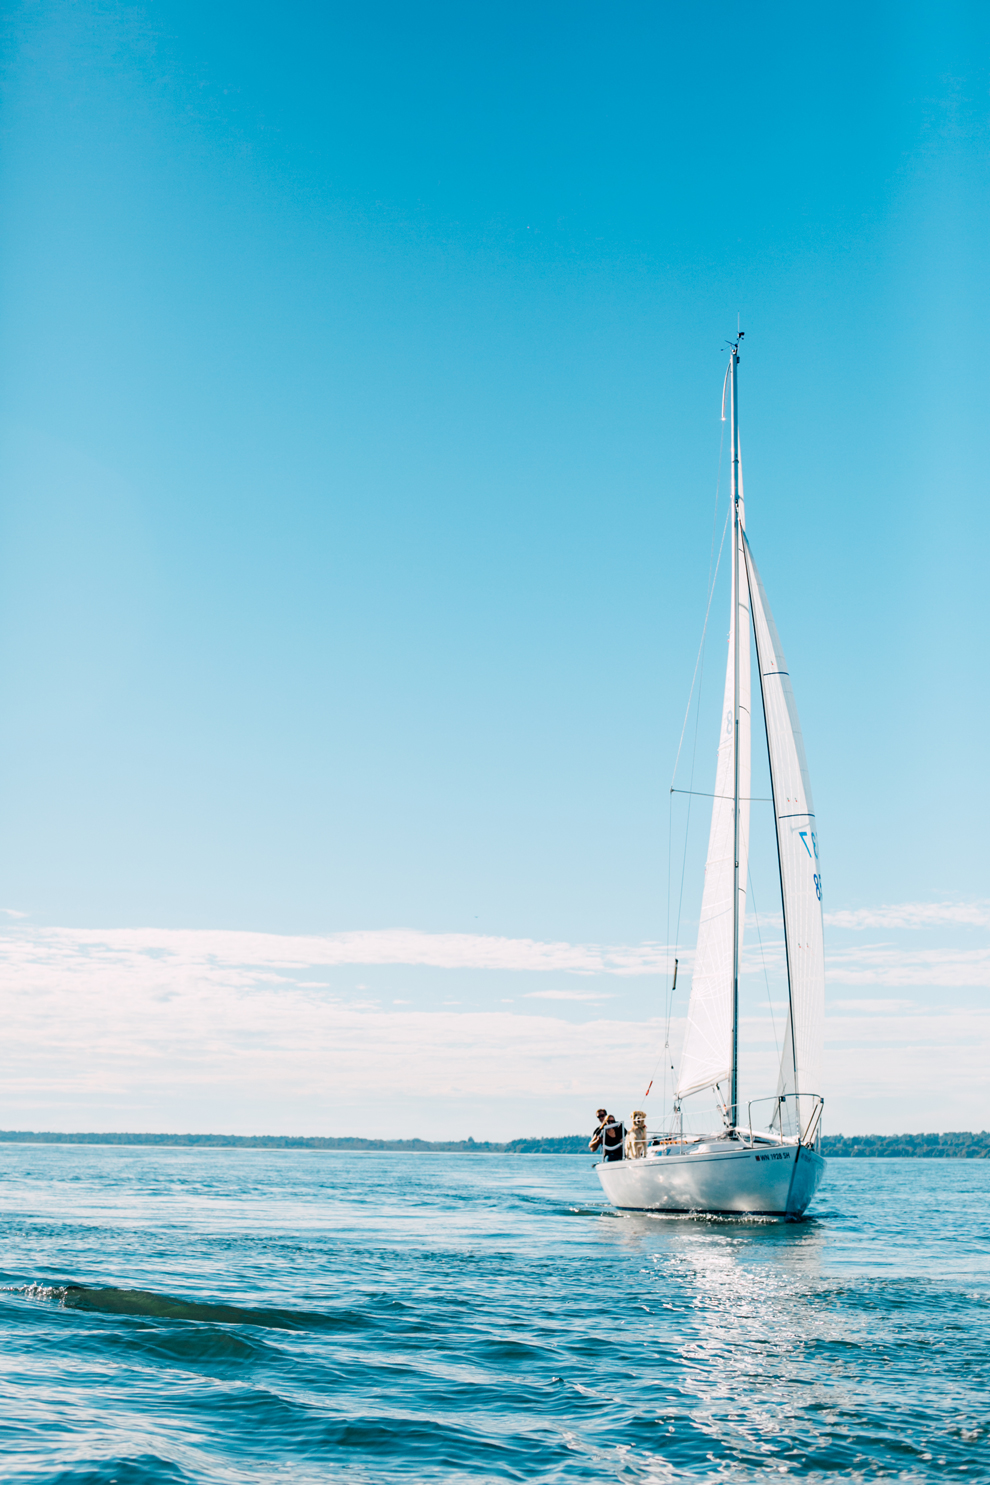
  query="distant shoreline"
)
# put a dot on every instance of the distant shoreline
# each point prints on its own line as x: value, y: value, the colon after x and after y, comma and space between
x: 957, y: 1145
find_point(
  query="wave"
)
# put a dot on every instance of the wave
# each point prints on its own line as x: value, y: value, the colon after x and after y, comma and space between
x: 146, y: 1304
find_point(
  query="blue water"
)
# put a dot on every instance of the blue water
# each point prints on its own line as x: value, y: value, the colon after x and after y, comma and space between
x: 228, y: 1315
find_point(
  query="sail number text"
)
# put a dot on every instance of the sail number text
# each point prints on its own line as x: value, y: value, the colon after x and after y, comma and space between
x: 813, y: 848
x: 812, y: 851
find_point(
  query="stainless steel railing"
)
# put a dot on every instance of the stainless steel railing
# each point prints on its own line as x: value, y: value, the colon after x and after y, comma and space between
x: 807, y: 1133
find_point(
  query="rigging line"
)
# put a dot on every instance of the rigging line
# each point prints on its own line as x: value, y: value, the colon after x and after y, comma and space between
x: 668, y: 1060
x: 666, y: 1045
x: 697, y: 677
x: 703, y: 794
x: 670, y: 992
x: 712, y: 579
x: 670, y: 809
x: 718, y: 487
x: 700, y: 674
x: 670, y: 996
x: 697, y: 719
x: 759, y: 935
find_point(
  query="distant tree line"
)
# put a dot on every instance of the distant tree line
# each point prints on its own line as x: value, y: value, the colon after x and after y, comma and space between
x: 933, y: 1146
x: 248, y: 1141
x: 567, y: 1144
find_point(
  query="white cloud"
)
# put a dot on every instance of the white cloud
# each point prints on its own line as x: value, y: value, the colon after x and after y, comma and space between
x: 406, y: 946
x: 108, y: 1035
x: 194, y: 1030
x: 913, y: 915
x: 758, y: 924
x: 207, y: 950
x: 884, y: 964
x: 565, y: 995
x: 873, y: 1007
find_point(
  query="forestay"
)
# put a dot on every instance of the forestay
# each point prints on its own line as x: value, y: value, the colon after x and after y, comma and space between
x: 800, y: 872
x: 706, y: 1057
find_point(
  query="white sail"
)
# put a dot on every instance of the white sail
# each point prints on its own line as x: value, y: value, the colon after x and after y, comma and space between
x: 800, y: 872
x: 706, y: 1057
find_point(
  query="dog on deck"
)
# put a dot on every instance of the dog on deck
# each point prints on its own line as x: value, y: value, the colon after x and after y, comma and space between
x: 636, y: 1138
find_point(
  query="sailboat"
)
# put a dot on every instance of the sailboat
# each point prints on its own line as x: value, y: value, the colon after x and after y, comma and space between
x: 766, y: 1157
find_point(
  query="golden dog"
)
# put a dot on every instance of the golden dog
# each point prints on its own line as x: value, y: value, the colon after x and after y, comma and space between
x: 636, y: 1138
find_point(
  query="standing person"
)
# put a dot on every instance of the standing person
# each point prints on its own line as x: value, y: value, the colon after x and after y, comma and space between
x: 596, y: 1139
x: 613, y: 1139
x: 610, y: 1137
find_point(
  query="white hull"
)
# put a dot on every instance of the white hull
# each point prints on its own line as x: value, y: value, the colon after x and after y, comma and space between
x: 722, y: 1176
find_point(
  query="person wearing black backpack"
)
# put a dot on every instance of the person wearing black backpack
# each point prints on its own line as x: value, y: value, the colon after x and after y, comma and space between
x: 609, y: 1137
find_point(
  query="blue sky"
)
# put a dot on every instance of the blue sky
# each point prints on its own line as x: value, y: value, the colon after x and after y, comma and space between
x: 360, y: 439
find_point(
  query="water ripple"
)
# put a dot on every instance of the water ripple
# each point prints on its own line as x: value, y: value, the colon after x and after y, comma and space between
x: 228, y: 1316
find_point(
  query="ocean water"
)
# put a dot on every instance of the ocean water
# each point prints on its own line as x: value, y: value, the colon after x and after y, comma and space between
x: 231, y: 1315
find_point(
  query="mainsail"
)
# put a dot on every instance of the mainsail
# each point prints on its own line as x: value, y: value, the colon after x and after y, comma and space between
x: 706, y: 1057
x: 800, y: 871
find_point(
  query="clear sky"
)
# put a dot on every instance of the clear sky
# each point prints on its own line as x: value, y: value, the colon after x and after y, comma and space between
x: 360, y: 440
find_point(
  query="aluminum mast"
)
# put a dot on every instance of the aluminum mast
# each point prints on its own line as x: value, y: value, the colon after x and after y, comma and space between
x: 734, y: 435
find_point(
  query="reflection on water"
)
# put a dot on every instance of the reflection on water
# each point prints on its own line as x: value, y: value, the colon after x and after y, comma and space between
x: 215, y: 1315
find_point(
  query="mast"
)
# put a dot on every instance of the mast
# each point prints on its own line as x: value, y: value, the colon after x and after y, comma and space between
x: 709, y: 1055
x: 734, y: 437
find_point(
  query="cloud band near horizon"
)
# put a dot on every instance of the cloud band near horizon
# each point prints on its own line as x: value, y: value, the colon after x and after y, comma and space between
x: 882, y: 964
x: 186, y: 1029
